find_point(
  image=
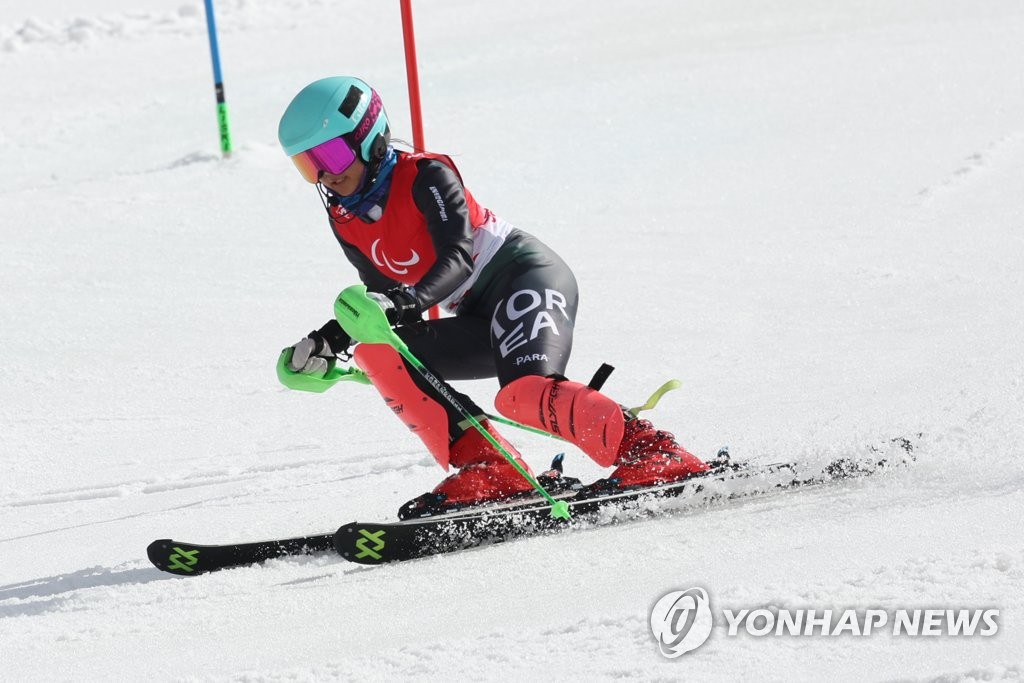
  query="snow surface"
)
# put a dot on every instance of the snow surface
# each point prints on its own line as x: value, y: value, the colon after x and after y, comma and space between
x: 811, y: 212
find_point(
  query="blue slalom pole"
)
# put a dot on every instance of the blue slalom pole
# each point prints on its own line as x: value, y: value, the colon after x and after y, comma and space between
x: 218, y: 83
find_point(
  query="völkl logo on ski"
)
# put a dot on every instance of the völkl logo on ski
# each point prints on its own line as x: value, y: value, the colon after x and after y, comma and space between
x: 183, y: 560
x: 374, y: 537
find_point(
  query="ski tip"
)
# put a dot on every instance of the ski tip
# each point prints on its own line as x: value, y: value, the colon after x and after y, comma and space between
x: 169, y: 556
x: 155, y: 550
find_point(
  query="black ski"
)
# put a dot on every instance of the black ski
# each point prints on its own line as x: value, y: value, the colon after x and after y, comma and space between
x: 189, y: 559
x: 379, y: 543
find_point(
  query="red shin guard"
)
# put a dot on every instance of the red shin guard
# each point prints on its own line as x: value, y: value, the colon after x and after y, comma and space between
x: 573, y: 411
x: 424, y: 417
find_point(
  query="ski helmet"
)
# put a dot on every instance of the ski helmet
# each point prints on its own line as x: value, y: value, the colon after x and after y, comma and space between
x: 339, y: 106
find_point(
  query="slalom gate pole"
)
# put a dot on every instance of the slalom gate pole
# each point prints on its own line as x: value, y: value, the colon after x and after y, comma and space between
x: 218, y: 83
x: 364, y: 320
x: 412, y: 77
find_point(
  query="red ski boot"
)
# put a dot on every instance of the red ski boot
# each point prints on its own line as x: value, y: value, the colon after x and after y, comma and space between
x: 650, y: 456
x: 484, y: 476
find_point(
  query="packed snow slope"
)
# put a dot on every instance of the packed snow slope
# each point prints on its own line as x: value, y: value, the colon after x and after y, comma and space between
x: 810, y: 212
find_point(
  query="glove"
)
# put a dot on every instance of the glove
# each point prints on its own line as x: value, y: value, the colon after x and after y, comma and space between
x: 399, y: 305
x: 316, y: 353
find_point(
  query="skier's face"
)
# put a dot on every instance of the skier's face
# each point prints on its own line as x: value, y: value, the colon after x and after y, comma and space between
x: 347, y: 182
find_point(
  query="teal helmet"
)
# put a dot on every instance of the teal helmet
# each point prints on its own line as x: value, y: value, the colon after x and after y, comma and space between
x: 339, y: 106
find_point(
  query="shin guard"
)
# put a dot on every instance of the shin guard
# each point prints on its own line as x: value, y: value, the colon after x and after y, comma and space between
x: 579, y: 414
x: 424, y: 416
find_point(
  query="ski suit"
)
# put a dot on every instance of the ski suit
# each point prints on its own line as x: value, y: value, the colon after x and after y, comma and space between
x: 514, y: 300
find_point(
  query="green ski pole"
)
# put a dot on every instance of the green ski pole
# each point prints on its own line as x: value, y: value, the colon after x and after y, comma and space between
x: 364, y: 320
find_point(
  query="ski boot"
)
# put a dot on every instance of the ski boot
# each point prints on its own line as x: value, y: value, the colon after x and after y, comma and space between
x: 484, y: 476
x: 647, y: 457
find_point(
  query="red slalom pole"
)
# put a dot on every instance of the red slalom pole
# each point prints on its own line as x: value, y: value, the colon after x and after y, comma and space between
x: 412, y: 76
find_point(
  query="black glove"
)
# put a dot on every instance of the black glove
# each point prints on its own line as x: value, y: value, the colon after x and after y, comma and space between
x: 316, y: 353
x: 399, y: 305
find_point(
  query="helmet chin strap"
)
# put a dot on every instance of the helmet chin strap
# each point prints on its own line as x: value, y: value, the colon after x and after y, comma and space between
x: 324, y: 197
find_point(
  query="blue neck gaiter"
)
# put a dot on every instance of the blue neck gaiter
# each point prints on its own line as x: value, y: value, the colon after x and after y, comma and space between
x: 362, y: 203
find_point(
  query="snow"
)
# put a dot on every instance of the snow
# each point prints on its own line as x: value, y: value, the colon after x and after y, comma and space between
x: 809, y: 212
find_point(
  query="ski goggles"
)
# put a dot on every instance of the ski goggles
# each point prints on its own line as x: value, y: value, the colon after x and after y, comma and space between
x: 333, y: 156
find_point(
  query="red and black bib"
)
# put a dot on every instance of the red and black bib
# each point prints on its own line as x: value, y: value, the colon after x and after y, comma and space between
x: 399, y: 244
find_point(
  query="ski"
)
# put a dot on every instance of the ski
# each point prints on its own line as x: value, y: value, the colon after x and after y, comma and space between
x: 190, y: 559
x: 380, y: 543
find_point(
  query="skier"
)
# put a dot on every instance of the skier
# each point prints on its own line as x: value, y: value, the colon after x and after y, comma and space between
x: 418, y: 238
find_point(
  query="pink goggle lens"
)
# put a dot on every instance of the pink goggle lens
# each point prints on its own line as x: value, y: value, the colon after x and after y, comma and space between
x: 333, y: 156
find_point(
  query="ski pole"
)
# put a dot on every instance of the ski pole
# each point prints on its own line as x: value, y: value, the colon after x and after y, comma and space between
x: 364, y: 320
x: 218, y: 83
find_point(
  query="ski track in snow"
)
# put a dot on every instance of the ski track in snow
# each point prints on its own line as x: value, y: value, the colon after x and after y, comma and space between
x: 817, y: 208
x: 194, y: 480
x: 1008, y: 148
